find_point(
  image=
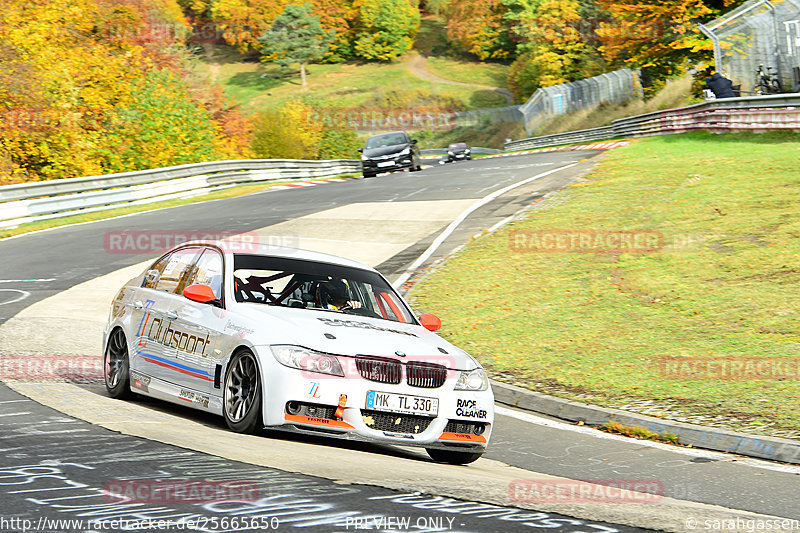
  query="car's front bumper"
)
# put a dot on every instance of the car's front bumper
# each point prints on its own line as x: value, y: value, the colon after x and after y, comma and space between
x: 357, y: 422
x: 376, y: 166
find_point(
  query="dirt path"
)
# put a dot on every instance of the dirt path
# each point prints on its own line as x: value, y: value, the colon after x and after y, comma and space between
x: 416, y: 65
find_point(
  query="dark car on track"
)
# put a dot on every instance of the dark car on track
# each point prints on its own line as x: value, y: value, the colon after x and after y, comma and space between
x: 386, y: 152
x: 458, y: 152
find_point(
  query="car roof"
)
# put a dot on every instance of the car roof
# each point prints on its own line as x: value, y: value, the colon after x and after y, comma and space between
x: 389, y: 133
x: 253, y: 248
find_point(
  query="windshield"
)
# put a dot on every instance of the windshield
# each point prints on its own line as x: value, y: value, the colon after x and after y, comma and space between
x: 320, y: 286
x: 386, y: 139
x: 458, y: 146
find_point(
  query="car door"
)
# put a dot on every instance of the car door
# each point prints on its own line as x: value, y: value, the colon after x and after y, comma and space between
x: 153, y: 352
x: 197, y: 329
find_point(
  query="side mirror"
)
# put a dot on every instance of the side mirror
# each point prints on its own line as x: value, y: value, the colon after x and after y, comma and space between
x: 413, y: 141
x: 151, y: 278
x: 201, y: 294
x: 361, y: 150
x: 430, y: 322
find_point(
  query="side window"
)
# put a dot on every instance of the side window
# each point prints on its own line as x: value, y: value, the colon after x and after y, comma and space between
x: 178, y: 269
x: 208, y: 271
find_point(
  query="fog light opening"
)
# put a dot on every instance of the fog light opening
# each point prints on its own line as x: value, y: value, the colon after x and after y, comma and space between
x: 293, y: 408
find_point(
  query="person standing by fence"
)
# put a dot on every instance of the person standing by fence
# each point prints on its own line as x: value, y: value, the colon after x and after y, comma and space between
x: 721, y: 87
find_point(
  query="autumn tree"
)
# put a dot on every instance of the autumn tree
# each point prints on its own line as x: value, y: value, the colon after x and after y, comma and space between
x: 72, y: 100
x: 385, y: 28
x: 295, y: 37
x: 242, y: 22
x: 551, y: 46
x: 480, y: 28
x: 340, y: 17
x: 657, y: 34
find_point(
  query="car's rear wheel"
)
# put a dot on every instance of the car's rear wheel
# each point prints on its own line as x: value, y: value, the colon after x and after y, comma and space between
x: 242, y: 396
x: 369, y: 175
x: 116, y: 365
x: 453, y: 457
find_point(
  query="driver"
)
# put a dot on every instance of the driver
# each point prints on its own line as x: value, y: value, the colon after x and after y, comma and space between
x: 333, y: 294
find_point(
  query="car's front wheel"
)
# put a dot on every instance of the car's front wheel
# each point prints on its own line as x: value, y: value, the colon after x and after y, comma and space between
x: 453, y: 457
x: 242, y: 396
x: 116, y: 365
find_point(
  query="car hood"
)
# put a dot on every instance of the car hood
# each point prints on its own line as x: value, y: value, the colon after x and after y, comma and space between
x: 385, y: 150
x: 350, y: 335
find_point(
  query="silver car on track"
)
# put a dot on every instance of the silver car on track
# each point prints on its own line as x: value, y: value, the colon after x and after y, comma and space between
x: 296, y: 340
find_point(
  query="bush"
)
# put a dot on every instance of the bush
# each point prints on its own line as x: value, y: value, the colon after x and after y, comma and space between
x: 524, y: 76
x: 161, y: 126
x: 339, y: 144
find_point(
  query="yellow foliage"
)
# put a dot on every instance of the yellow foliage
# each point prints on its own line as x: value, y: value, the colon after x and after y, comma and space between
x: 288, y: 133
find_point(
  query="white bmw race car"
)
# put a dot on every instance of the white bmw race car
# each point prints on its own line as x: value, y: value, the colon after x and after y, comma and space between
x: 295, y: 340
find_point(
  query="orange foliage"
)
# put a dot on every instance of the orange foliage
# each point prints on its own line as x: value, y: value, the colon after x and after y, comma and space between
x: 479, y: 27
x: 655, y: 33
x: 67, y: 69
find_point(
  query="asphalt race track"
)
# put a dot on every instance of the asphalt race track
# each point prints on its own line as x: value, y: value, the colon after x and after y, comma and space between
x: 63, y: 443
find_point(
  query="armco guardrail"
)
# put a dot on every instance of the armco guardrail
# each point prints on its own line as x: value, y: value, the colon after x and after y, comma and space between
x: 473, y: 149
x: 757, y: 114
x: 51, y: 199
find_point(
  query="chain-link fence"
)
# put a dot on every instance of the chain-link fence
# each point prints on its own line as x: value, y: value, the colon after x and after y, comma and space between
x: 614, y: 87
x: 758, y: 33
x: 478, y: 117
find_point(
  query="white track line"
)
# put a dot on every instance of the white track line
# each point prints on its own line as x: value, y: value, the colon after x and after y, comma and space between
x: 22, y: 296
x: 457, y: 222
x: 693, y: 452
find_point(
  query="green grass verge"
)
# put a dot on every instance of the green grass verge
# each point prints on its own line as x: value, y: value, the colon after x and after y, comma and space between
x: 491, y: 74
x: 257, y: 87
x: 231, y: 192
x: 596, y: 326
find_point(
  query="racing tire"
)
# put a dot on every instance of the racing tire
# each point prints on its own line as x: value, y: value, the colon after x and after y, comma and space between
x: 777, y: 86
x: 116, y: 367
x: 453, y: 457
x: 369, y: 175
x: 241, y: 402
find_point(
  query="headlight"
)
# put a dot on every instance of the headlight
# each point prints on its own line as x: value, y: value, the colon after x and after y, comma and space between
x: 364, y: 158
x: 405, y: 151
x: 473, y: 380
x: 308, y: 360
x: 449, y: 152
x: 466, y: 151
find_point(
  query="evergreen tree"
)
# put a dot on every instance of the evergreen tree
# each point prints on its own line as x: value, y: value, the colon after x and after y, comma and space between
x: 296, y: 36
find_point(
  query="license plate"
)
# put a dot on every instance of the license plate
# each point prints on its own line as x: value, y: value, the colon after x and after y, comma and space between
x: 402, y: 403
x: 386, y: 164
